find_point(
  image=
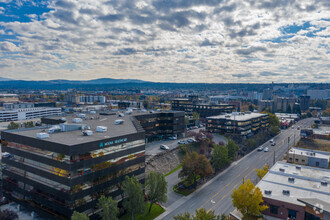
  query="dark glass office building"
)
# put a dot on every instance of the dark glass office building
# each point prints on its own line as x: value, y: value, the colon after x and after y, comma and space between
x: 56, y: 169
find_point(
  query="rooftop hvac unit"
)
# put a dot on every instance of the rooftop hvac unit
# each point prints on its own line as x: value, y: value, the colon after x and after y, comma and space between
x: 87, y: 133
x: 286, y: 192
x: 268, y: 192
x: 81, y: 115
x: 291, y: 179
x: 54, y: 129
x: 42, y: 135
x: 282, y: 170
x: 101, y: 129
x: 298, y: 167
x: 324, y: 183
x: 77, y: 120
x: 70, y: 127
x: 119, y: 121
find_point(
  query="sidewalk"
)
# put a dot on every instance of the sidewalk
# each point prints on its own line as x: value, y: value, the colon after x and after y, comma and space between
x: 171, y: 180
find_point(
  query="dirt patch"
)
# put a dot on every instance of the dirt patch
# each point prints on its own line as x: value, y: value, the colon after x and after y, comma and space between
x: 163, y: 162
x: 314, y: 144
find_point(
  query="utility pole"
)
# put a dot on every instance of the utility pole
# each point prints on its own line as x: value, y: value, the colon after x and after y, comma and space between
x: 274, y: 158
x: 288, y: 142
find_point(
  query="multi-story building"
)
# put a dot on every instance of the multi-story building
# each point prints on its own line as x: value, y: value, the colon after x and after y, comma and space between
x: 55, y: 170
x: 91, y: 99
x: 267, y: 94
x: 308, y: 157
x: 319, y: 94
x: 5, y: 98
x: 243, y: 123
x: 129, y: 104
x: 27, y: 113
x: 304, y: 102
x: 265, y: 104
x: 71, y: 98
x: 11, y: 106
x: 192, y: 104
x: 158, y: 124
x: 282, y: 104
x: 296, y: 192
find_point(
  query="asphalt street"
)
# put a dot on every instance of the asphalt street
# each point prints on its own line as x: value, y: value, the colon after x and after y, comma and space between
x: 216, y: 194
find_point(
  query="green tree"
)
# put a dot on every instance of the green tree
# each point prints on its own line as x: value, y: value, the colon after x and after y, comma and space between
x: 156, y: 188
x: 193, y: 165
x: 12, y: 125
x: 251, y: 108
x: 232, y: 149
x: 79, y: 216
x: 219, y: 157
x: 262, y: 172
x: 109, y: 208
x: 195, y: 116
x: 146, y: 104
x: 248, y: 200
x: 28, y: 124
x: 184, y: 216
x: 134, y: 202
x: 200, y: 214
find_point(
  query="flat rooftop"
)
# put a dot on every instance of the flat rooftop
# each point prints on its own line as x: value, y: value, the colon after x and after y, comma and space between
x: 238, y: 117
x: 76, y: 136
x: 306, y: 183
x: 310, y: 153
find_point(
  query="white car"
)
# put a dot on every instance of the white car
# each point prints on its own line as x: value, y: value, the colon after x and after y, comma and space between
x: 182, y: 142
x: 172, y: 138
x: 266, y: 149
x: 190, y: 140
x: 260, y: 148
x: 164, y: 147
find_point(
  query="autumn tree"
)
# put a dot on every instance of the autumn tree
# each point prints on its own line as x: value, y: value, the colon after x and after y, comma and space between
x: 193, y: 165
x: 109, y: 208
x: 248, y: 200
x: 262, y: 172
x: 79, y: 216
x: 156, y: 188
x: 12, y: 125
x: 219, y: 157
x: 134, y: 201
x: 200, y: 214
x: 232, y: 149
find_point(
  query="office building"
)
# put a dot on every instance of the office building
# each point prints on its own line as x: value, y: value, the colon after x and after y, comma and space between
x: 304, y: 102
x: 91, y: 99
x: 319, y: 94
x: 5, y: 98
x: 55, y: 170
x: 193, y: 104
x: 71, y: 98
x: 243, y: 123
x: 265, y: 104
x: 129, y: 104
x: 281, y: 104
x: 308, y: 157
x: 18, y: 105
x: 296, y: 192
x: 27, y: 113
x: 267, y: 94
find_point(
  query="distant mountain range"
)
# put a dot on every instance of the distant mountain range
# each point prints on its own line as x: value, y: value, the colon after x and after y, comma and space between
x: 96, y: 81
x: 3, y: 79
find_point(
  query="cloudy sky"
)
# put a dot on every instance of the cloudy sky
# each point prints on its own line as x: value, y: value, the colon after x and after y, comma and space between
x: 212, y: 41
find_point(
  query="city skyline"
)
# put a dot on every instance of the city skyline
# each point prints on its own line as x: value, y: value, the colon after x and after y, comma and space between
x: 166, y: 40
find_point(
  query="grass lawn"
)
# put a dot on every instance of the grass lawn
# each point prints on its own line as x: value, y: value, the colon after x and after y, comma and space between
x: 175, y: 169
x: 156, y: 210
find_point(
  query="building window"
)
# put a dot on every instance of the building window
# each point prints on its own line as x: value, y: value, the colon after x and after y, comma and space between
x: 292, y: 214
x: 297, y: 160
x: 317, y: 164
x: 274, y: 209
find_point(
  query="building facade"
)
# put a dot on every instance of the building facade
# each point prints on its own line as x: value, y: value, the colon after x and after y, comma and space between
x: 243, y: 123
x: 308, y: 157
x: 28, y: 113
x: 66, y: 167
x: 304, y: 102
x: 192, y: 104
x: 284, y: 104
x: 91, y: 99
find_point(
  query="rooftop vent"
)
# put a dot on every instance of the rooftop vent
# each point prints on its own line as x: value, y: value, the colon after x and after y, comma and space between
x: 298, y: 167
x: 324, y: 183
x: 268, y: 192
x: 87, y: 133
x: 54, y: 129
x: 291, y: 179
x: 282, y: 170
x: 286, y: 192
x: 42, y: 135
x: 119, y: 121
x: 77, y: 120
x: 101, y: 129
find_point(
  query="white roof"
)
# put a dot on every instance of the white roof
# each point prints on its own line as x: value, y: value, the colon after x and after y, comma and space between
x: 307, y: 183
x: 239, y: 116
x: 310, y: 153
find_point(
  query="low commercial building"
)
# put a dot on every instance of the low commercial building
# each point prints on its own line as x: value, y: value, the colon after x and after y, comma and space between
x: 57, y: 169
x: 309, y: 157
x: 28, y: 113
x: 193, y: 104
x: 296, y: 192
x: 8, y: 98
x: 91, y: 99
x: 243, y: 123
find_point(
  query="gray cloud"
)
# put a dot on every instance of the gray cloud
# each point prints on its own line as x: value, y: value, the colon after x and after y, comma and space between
x: 266, y: 73
x: 250, y: 50
x: 242, y: 75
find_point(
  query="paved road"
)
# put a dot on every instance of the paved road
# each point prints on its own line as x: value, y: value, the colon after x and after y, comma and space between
x: 216, y: 194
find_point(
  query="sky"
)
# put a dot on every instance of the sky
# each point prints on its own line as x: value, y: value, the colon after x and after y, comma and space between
x: 193, y: 41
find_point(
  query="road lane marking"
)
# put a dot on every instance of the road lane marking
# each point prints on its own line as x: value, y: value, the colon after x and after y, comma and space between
x: 222, y: 188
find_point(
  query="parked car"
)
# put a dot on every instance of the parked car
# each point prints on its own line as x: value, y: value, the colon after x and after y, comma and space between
x: 273, y: 143
x: 260, y: 148
x: 164, y: 147
x: 190, y: 140
x: 292, y: 127
x: 182, y: 142
x: 266, y: 149
x: 172, y: 138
